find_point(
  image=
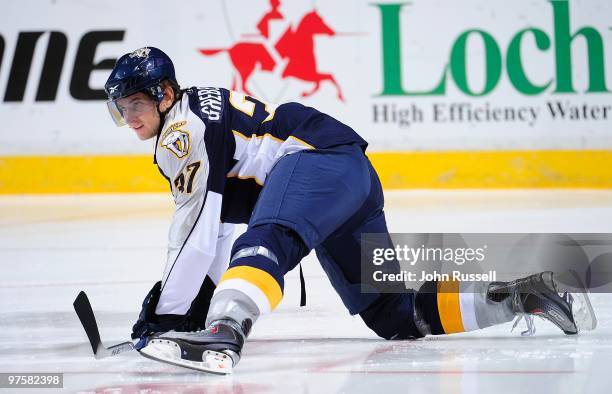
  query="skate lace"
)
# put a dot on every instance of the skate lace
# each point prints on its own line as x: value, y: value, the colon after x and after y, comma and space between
x: 521, y: 314
x: 531, y: 328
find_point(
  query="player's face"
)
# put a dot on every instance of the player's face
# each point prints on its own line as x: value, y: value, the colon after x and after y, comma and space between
x: 140, y: 114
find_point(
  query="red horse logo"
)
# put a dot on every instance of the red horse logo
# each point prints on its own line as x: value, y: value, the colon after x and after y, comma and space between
x: 295, y: 46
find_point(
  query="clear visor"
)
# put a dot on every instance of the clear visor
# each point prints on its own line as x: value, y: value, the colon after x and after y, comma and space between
x: 122, y: 110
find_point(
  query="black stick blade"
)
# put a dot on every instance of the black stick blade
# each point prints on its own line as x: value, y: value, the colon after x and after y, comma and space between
x: 82, y: 307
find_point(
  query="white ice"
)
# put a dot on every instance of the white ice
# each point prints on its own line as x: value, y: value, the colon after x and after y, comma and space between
x: 113, y: 247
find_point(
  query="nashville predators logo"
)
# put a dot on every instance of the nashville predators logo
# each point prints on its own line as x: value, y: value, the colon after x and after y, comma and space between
x: 177, y: 142
x: 141, y: 52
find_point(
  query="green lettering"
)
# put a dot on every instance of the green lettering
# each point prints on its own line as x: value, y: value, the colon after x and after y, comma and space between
x: 493, y: 61
x: 391, y: 43
x: 392, y: 55
x: 563, y: 57
x: 514, y: 62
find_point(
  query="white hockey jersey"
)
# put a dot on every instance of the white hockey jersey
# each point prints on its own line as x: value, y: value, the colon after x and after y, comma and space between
x: 216, y: 149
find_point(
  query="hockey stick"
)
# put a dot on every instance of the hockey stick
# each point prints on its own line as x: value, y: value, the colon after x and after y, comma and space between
x: 82, y: 307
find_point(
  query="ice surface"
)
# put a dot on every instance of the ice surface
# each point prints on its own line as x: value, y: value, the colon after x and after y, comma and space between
x: 113, y: 247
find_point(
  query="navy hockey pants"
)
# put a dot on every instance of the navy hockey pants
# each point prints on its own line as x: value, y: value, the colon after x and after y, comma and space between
x: 324, y: 200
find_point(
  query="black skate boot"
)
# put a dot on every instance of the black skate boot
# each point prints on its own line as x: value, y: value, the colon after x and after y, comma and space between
x: 537, y: 295
x: 215, y: 350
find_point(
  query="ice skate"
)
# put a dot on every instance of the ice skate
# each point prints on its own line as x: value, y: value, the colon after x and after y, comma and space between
x: 215, y: 350
x: 538, y: 295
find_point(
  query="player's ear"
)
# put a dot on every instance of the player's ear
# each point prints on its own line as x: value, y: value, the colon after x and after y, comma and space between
x: 168, y: 96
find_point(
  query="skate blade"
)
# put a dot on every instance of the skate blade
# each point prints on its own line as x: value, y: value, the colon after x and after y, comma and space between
x: 582, y: 310
x: 169, y: 352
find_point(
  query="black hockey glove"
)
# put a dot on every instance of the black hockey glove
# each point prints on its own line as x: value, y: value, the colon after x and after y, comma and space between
x: 149, y: 322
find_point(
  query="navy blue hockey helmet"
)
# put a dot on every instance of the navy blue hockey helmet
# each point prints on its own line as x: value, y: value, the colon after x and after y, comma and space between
x: 142, y: 70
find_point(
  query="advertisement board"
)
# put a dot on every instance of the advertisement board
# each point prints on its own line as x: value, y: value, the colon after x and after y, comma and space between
x: 522, y: 88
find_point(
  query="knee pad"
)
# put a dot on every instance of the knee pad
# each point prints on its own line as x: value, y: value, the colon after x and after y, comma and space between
x: 260, y: 259
x: 391, y: 316
x: 282, y: 247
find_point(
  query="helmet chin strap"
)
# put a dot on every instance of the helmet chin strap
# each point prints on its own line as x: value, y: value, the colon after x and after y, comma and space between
x: 162, y: 114
x: 162, y: 118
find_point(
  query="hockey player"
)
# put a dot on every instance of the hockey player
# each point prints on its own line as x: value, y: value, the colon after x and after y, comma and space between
x: 301, y: 181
